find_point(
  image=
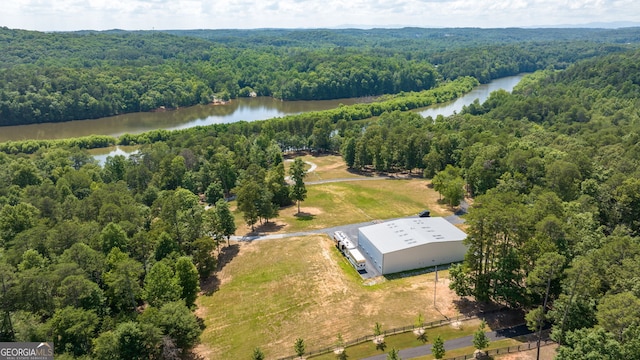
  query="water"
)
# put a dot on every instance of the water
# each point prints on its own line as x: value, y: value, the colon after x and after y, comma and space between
x: 481, y: 93
x: 101, y: 154
x: 247, y: 109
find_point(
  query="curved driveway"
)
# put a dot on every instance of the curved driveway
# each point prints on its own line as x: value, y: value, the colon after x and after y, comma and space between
x: 350, y: 229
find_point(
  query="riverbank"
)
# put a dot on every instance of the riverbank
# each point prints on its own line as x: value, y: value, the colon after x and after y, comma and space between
x: 241, y: 109
x: 399, y: 102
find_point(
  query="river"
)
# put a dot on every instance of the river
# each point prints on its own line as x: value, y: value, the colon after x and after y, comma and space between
x: 481, y: 93
x: 247, y: 109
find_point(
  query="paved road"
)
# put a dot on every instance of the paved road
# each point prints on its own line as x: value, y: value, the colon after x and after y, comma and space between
x: 457, y: 343
x: 350, y: 229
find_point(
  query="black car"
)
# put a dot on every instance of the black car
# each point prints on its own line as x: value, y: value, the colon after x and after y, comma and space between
x: 424, y: 213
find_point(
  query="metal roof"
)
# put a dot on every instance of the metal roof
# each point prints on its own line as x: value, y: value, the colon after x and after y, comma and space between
x: 396, y: 235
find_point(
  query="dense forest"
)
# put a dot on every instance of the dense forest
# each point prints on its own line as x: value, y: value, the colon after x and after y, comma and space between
x: 54, y: 77
x: 106, y: 260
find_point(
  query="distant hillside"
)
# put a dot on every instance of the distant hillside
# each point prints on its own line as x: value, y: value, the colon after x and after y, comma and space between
x: 62, y: 76
x: 593, y: 25
x: 409, y: 38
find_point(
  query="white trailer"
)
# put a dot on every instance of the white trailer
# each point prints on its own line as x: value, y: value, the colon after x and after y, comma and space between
x: 342, y: 242
x: 356, y: 259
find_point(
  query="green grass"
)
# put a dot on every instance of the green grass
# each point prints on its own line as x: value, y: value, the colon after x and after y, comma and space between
x: 404, y: 341
x: 334, y: 204
x: 408, y: 340
x: 274, y: 291
x: 470, y: 349
x: 257, y: 300
x: 360, y: 201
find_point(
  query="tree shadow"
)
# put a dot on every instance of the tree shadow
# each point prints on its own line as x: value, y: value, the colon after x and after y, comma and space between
x: 304, y: 216
x: 381, y: 346
x: 459, y: 211
x: 504, y: 318
x: 209, y: 285
x: 227, y: 254
x: 269, y: 227
x: 497, y: 316
x: 469, y: 307
x: 361, y: 172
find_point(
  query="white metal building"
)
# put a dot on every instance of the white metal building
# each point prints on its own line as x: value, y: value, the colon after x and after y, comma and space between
x: 412, y: 243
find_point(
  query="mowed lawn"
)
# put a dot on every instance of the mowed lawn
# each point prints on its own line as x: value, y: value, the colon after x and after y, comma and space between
x: 347, y: 202
x: 274, y: 291
x: 328, y: 167
x: 358, y: 198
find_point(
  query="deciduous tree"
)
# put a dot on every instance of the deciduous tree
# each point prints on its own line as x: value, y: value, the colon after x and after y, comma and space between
x: 298, y: 189
x: 73, y: 330
x: 480, y: 339
x: 177, y: 321
x: 248, y: 193
x: 203, y: 258
x: 188, y: 280
x: 160, y: 285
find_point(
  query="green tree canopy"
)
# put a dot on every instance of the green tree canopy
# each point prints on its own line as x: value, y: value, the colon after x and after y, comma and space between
x: 298, y: 173
x: 161, y: 285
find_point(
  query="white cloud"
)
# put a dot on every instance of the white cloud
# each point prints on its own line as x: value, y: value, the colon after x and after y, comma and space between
x: 189, y: 14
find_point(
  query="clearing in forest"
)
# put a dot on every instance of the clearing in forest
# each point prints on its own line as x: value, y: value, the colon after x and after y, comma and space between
x: 270, y: 292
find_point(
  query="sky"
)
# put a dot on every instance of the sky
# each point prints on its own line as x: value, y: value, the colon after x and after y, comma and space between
x: 67, y: 15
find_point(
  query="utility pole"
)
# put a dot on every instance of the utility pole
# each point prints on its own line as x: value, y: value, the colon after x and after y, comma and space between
x: 435, y: 286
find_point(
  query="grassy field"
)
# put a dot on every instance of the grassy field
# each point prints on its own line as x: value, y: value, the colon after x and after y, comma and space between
x: 347, y: 202
x: 407, y: 340
x: 267, y: 293
x: 328, y: 167
x: 471, y: 349
x: 274, y: 291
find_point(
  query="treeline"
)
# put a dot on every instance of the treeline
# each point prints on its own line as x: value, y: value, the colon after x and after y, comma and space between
x: 553, y: 169
x: 554, y: 228
x: 53, y: 77
x: 93, y: 257
x: 106, y: 261
x: 407, y: 39
x: 294, y: 132
x: 491, y: 62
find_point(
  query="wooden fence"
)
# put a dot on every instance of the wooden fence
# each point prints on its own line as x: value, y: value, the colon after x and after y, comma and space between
x: 507, y: 350
x: 399, y: 330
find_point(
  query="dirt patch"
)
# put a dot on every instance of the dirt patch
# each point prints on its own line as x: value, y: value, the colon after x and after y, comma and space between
x: 375, y: 281
x: 546, y: 353
x: 311, y: 210
x: 274, y: 291
x: 272, y: 227
x: 279, y: 226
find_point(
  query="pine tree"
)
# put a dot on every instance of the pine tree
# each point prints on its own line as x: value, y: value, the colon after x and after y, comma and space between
x: 438, y: 348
